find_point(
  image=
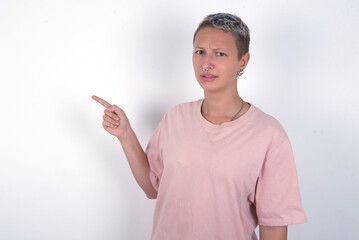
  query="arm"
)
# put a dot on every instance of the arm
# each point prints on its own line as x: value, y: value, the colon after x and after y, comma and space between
x: 138, y: 162
x: 116, y: 123
x: 273, y: 232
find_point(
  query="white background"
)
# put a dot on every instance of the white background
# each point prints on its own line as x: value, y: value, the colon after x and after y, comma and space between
x: 63, y: 177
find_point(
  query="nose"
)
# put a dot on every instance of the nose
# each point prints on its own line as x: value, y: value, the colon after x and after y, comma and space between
x: 207, y: 63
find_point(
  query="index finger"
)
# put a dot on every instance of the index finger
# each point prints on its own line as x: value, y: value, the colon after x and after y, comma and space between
x: 101, y: 101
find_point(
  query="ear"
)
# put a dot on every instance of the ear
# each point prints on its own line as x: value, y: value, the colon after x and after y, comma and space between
x: 244, y: 61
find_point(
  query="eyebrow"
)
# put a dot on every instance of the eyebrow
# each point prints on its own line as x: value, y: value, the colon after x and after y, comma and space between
x: 215, y: 49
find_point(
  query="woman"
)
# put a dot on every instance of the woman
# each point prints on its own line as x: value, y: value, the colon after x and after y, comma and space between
x: 218, y: 167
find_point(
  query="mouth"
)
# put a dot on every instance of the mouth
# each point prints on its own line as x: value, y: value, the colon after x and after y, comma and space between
x: 208, y: 77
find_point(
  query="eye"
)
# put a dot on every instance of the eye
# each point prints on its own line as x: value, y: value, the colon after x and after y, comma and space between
x: 199, y: 52
x: 220, y: 54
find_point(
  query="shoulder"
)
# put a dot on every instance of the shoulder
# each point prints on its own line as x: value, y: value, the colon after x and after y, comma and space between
x: 184, y: 109
x: 181, y: 114
x: 264, y: 119
x: 267, y: 125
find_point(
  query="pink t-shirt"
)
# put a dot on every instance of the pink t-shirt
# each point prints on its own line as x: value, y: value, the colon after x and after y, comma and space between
x: 221, y: 181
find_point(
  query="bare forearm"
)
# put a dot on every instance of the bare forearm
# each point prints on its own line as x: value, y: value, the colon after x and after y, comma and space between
x: 116, y: 123
x: 138, y: 162
x: 273, y: 232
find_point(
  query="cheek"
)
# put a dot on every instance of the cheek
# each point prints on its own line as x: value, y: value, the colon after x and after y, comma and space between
x: 233, y: 67
x: 196, y: 64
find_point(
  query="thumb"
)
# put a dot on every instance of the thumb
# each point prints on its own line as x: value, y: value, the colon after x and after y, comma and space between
x: 117, y: 110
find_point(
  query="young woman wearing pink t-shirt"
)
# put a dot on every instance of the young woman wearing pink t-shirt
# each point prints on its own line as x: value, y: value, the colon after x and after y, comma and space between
x: 219, y: 166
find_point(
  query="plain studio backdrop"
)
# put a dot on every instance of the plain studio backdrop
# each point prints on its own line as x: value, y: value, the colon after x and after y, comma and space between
x: 62, y: 177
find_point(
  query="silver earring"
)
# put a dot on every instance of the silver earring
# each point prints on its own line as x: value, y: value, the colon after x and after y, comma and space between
x: 240, y: 73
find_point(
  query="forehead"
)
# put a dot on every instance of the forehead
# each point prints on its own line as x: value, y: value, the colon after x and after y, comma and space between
x: 214, y: 37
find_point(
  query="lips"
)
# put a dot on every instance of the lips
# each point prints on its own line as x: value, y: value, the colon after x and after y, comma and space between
x: 208, y: 77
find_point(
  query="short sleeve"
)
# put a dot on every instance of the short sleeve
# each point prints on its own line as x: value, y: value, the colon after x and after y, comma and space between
x: 277, y: 197
x: 154, y: 155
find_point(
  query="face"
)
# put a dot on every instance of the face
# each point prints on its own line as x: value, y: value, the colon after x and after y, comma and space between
x: 215, y: 60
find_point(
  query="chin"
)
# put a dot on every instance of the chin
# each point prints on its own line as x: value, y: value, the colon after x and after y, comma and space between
x: 214, y: 87
x: 209, y: 87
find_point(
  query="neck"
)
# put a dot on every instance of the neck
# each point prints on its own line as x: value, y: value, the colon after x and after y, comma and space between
x: 221, y: 106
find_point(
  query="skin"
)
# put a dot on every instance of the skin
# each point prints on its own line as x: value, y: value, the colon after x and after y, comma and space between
x: 116, y: 123
x: 273, y: 233
x: 216, y: 51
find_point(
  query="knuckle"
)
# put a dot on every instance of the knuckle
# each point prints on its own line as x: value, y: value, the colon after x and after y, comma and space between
x: 117, y: 107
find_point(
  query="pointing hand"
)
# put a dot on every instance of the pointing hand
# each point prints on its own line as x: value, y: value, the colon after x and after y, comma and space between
x: 115, y: 120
